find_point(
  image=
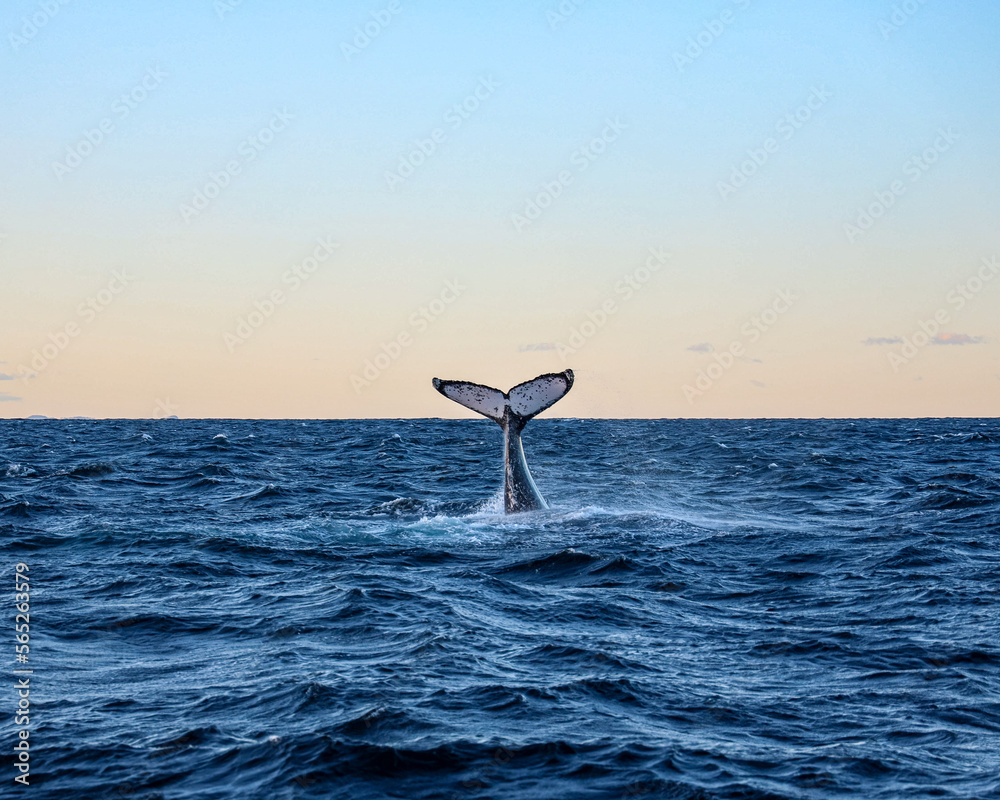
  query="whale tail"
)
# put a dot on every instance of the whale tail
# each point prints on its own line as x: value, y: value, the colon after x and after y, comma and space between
x: 511, y: 411
x: 524, y: 401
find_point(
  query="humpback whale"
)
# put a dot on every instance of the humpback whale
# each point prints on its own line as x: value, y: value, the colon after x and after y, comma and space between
x: 511, y: 411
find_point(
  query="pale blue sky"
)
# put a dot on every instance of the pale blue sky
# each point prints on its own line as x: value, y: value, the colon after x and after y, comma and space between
x: 656, y: 185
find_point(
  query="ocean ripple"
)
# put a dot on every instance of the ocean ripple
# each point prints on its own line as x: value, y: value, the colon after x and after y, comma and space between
x: 709, y: 609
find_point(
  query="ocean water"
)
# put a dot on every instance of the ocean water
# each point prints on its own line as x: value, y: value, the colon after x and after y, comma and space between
x: 340, y: 609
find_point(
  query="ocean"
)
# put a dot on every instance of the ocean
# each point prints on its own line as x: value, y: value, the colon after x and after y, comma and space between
x: 340, y: 609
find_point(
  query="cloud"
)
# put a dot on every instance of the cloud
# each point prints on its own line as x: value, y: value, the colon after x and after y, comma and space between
x: 538, y: 346
x: 758, y: 383
x: 957, y: 338
x: 5, y: 377
x: 941, y: 338
x: 704, y: 347
x: 8, y: 398
x: 876, y: 340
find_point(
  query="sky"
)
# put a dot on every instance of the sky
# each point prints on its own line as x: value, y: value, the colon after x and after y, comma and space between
x: 232, y: 208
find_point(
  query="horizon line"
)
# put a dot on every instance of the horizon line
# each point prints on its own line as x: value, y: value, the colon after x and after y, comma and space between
x: 174, y: 418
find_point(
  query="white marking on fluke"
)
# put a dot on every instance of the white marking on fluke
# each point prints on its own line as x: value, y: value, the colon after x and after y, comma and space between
x: 511, y: 411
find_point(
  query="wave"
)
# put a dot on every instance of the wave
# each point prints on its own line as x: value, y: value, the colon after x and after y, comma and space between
x: 19, y: 471
x: 342, y: 609
x: 95, y: 469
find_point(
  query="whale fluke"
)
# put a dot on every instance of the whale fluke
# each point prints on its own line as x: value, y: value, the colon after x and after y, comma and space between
x: 482, y: 399
x: 511, y: 411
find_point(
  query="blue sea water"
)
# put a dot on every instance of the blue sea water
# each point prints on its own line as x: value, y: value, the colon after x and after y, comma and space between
x: 710, y: 609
